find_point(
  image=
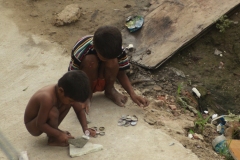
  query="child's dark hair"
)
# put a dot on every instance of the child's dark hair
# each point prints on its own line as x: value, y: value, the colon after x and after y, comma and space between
x: 75, y: 85
x: 107, y: 41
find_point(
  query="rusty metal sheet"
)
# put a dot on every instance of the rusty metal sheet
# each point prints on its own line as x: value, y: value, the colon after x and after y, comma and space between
x: 171, y: 26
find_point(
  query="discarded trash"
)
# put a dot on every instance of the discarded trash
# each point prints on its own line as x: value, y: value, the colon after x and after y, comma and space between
x: 190, y: 135
x: 230, y: 117
x: 130, y: 47
x: 218, y: 53
x: 206, y: 112
x: 196, y: 92
x: 127, y: 120
x: 219, y: 144
x: 23, y: 155
x: 214, y: 116
x: 101, y: 128
x: 171, y: 144
x: 134, y: 23
x: 100, y: 133
x: 25, y: 89
x: 220, y: 128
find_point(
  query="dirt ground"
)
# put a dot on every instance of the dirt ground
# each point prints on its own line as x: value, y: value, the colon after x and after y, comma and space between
x: 218, y: 77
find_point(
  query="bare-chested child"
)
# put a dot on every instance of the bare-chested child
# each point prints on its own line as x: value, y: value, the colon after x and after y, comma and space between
x: 103, y: 59
x: 48, y: 107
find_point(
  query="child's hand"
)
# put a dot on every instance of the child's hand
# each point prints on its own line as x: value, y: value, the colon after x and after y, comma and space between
x: 63, y: 138
x: 140, y: 100
x: 92, y: 132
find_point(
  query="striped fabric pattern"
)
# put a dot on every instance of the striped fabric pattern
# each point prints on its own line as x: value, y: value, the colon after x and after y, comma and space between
x: 84, y: 46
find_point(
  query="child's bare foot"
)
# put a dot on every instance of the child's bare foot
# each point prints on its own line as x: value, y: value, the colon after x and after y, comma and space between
x: 66, y: 132
x: 116, y: 97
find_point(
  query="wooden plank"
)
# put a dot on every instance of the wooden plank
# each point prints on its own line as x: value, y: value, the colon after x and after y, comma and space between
x: 234, y: 148
x: 172, y: 25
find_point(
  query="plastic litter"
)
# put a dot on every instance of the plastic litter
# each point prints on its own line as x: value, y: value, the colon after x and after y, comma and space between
x: 219, y: 144
x: 134, y: 23
x: 214, y: 116
x: 196, y: 92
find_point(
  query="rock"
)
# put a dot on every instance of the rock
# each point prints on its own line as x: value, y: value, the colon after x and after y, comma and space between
x: 217, y: 52
x: 88, y: 148
x: 160, y: 123
x: 177, y: 72
x: 157, y: 88
x: 71, y: 13
x: 198, y: 136
x: 34, y: 14
x: 145, y: 92
x: 188, y: 124
x: 159, y: 103
x: 192, y: 114
x: 150, y: 120
x: 173, y: 107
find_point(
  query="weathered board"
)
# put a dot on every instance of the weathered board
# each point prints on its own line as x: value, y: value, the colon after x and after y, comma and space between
x: 172, y: 25
x: 234, y: 148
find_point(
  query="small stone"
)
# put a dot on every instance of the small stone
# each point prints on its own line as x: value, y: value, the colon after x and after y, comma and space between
x: 157, y: 88
x: 159, y: 103
x: 34, y: 14
x: 173, y: 107
x: 160, y: 123
x: 197, y: 136
x: 190, y: 136
x: 150, y: 120
x: 192, y: 114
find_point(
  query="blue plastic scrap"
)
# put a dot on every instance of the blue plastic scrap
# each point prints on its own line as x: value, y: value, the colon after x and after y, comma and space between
x: 134, y: 23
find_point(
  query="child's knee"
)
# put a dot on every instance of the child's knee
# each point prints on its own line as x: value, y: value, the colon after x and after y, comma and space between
x: 90, y: 62
x: 53, y: 114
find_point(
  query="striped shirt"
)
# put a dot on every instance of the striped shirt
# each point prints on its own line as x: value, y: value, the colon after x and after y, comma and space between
x: 85, y: 46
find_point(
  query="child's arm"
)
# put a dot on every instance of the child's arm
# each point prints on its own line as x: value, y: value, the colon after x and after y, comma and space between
x: 124, y: 81
x: 80, y: 112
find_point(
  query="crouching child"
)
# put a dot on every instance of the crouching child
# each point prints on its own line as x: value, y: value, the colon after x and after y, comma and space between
x: 49, y: 105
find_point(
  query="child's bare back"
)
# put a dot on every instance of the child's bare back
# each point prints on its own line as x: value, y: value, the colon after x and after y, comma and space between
x: 48, y: 107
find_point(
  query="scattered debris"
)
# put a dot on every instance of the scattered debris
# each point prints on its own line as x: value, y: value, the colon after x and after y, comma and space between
x: 171, y: 144
x: 190, y: 135
x: 173, y: 107
x: 70, y: 14
x: 134, y: 23
x: 218, y: 53
x: 127, y: 120
x: 177, y: 72
x: 219, y: 143
x: 25, y: 88
x: 196, y: 92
